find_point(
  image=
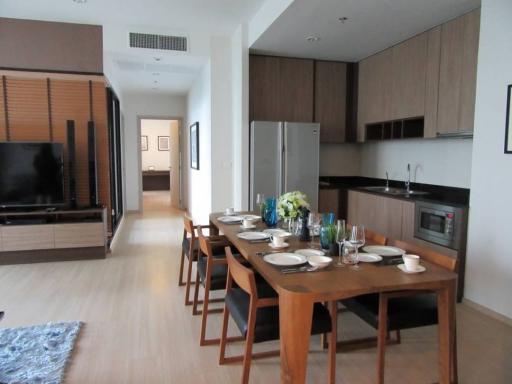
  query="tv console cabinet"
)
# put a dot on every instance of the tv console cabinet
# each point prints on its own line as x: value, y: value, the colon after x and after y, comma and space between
x: 59, y: 235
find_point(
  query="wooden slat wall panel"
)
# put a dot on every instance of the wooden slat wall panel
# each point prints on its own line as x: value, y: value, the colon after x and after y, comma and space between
x: 28, y: 109
x: 99, y: 106
x: 70, y: 101
x: 3, y: 132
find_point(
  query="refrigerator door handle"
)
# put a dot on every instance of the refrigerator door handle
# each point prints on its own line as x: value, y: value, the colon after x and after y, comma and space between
x: 284, y: 165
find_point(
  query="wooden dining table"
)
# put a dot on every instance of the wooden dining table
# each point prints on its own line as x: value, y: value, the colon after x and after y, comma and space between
x: 299, y: 291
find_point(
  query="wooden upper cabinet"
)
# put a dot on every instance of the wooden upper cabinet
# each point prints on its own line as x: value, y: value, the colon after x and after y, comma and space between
x: 457, y: 74
x: 264, y: 88
x: 331, y: 100
x: 408, y: 70
x: 432, y: 81
x: 296, y: 90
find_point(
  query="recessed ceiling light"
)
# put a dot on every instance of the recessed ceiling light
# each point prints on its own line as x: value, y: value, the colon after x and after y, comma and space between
x: 154, y: 88
x: 157, y: 58
x: 156, y: 82
x: 156, y: 74
x: 312, y: 39
x: 80, y: 1
x: 342, y: 19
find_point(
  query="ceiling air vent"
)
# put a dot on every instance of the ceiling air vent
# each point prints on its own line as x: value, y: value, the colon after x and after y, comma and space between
x: 150, y: 41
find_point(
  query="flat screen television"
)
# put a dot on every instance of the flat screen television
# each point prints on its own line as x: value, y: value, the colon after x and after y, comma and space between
x: 31, y: 174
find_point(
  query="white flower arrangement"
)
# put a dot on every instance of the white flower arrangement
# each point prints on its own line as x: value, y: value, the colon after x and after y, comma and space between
x: 289, y: 204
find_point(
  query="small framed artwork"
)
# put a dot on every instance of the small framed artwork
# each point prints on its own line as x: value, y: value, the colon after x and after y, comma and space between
x: 194, y: 145
x: 508, y: 123
x: 163, y: 143
x: 143, y: 143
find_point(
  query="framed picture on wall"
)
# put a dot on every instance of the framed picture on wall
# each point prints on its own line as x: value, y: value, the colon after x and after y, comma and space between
x: 143, y: 143
x: 194, y: 145
x: 508, y: 123
x: 163, y: 143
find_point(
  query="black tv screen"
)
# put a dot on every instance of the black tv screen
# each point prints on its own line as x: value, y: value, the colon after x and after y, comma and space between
x: 31, y: 174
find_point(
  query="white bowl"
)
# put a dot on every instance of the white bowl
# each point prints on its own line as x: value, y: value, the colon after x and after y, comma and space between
x: 319, y: 261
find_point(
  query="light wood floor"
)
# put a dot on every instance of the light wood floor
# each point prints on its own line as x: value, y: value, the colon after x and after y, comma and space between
x: 138, y: 331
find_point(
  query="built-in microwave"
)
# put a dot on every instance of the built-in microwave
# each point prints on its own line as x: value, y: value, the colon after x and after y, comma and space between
x: 440, y: 224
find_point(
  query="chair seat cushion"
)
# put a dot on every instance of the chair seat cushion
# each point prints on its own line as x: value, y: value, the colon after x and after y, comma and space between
x: 403, y: 312
x: 217, y: 251
x: 218, y: 277
x: 267, y: 318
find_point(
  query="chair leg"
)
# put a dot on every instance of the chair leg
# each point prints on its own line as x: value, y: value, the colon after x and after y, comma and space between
x: 381, y: 342
x: 182, y: 261
x: 223, y: 336
x: 189, y: 278
x: 248, y: 344
x: 333, y: 338
x: 204, y: 315
x: 196, y: 295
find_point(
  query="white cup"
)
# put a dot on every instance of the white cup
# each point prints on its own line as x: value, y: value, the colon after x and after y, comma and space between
x: 229, y: 211
x: 247, y: 223
x: 411, y: 262
x: 278, y: 239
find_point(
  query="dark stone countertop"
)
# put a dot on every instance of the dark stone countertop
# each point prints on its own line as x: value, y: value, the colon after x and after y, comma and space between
x: 437, y: 193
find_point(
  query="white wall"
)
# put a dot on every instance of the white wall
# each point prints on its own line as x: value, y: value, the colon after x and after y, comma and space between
x: 160, y: 160
x: 437, y: 161
x: 489, y: 263
x: 145, y: 105
x: 199, y: 182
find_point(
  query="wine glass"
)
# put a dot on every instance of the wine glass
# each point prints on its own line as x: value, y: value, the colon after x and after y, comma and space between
x: 313, y: 225
x: 260, y: 202
x: 357, y: 239
x: 341, y: 236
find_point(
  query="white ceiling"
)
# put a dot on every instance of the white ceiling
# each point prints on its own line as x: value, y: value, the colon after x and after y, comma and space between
x: 134, y: 69
x: 372, y: 26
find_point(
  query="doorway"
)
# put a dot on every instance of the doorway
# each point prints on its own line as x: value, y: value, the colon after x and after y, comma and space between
x: 160, y: 162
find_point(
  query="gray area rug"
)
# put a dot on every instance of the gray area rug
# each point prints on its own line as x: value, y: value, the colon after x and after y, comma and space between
x: 36, y: 354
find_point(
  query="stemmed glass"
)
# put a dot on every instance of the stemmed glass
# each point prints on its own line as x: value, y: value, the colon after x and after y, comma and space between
x: 341, y: 236
x: 357, y: 240
x: 260, y: 202
x: 314, y: 221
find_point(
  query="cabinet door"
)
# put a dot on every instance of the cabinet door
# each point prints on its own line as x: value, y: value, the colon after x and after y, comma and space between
x: 457, y: 74
x: 331, y: 100
x: 79, y: 235
x: 432, y: 82
x: 329, y: 201
x: 27, y: 237
x: 408, y: 66
x: 296, y: 90
x: 264, y: 88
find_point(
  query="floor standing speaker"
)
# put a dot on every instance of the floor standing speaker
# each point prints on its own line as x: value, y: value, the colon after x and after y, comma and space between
x: 70, y: 129
x: 91, y: 150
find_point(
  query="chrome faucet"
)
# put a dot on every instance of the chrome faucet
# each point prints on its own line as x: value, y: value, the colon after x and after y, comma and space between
x: 408, y: 182
x: 387, y: 182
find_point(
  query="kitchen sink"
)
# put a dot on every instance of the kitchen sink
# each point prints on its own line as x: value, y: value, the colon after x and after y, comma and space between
x: 394, y: 191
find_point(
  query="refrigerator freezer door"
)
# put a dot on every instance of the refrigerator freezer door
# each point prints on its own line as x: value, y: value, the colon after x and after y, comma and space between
x: 301, y: 160
x: 266, y: 157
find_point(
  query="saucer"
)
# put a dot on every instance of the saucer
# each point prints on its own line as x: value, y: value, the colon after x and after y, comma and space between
x: 280, y: 247
x: 420, y: 269
x: 249, y: 227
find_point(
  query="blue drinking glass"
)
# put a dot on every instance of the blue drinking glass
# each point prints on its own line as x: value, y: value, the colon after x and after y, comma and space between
x: 271, y: 212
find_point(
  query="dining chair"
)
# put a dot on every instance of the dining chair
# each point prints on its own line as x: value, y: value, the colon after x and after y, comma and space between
x: 190, y: 250
x: 398, y: 310
x: 255, y: 310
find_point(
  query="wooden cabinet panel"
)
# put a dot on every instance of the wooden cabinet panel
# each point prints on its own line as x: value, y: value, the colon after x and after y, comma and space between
x: 432, y: 82
x: 329, y: 201
x: 264, y: 88
x: 79, y: 235
x: 27, y: 237
x: 3, y: 128
x: 1, y: 242
x: 457, y: 74
x: 296, y: 90
x: 408, y: 70
x: 331, y: 100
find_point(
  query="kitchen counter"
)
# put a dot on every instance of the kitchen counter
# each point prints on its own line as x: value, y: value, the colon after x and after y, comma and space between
x: 436, y: 193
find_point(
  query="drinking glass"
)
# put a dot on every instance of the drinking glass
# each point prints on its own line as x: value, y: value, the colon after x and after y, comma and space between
x: 357, y: 240
x: 341, y: 236
x: 314, y: 221
x: 260, y: 202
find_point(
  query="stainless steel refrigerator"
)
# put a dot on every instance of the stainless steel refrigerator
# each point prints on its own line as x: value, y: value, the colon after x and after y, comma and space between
x: 284, y: 157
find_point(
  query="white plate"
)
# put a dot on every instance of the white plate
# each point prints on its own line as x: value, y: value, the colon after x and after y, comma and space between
x: 229, y: 219
x: 251, y: 235
x: 369, y: 257
x: 281, y: 247
x: 285, y: 259
x: 249, y: 227
x: 420, y: 269
x: 310, y: 252
x: 383, y: 250
x: 273, y: 231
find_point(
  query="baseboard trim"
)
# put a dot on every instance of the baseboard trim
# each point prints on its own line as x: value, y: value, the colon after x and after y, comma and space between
x: 487, y: 311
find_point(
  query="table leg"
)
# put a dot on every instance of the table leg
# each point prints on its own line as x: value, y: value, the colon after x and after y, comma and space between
x: 214, y: 231
x: 295, y: 317
x: 446, y: 315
